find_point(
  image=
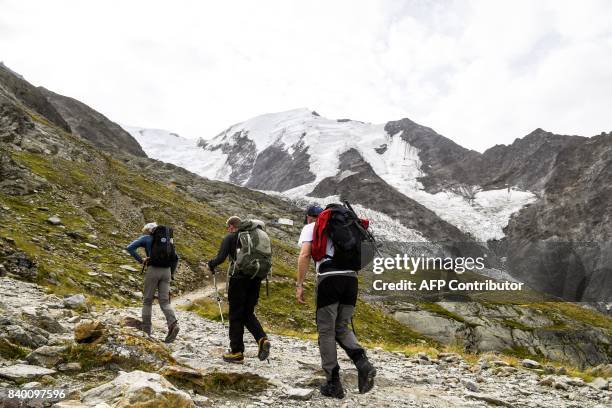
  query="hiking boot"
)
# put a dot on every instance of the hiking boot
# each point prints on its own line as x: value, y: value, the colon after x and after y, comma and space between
x: 264, y: 349
x: 173, y: 331
x: 365, y: 375
x: 332, y: 388
x: 236, y: 358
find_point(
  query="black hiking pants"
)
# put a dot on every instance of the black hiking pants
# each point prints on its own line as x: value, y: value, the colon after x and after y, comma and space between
x: 242, y: 296
x: 336, y: 299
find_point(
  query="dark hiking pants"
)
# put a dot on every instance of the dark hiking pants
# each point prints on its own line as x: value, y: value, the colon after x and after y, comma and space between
x: 336, y: 299
x: 242, y: 296
x: 156, y: 279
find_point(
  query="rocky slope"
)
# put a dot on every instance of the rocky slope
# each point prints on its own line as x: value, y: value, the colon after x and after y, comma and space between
x: 92, y: 125
x: 80, y: 206
x: 17, y: 89
x: 565, y: 235
x: 96, y: 357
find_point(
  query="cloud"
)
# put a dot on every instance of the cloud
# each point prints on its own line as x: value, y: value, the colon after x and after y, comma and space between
x: 479, y: 72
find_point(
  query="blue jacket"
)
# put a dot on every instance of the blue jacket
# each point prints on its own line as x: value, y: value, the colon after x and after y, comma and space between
x: 146, y: 242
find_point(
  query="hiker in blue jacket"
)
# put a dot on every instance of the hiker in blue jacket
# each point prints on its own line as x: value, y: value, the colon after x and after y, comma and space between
x: 156, y: 279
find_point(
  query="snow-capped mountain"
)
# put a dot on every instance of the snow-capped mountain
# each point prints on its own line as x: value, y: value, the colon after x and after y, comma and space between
x: 536, y: 195
x: 293, y: 152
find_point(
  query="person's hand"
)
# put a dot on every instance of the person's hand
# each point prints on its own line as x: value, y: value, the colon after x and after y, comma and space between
x: 212, y: 270
x: 299, y: 295
x: 145, y: 261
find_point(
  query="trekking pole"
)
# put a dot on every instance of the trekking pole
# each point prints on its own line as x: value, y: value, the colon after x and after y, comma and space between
x: 218, y: 299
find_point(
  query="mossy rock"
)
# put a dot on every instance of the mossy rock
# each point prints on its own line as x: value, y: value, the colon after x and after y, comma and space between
x: 12, y: 351
x: 215, y: 382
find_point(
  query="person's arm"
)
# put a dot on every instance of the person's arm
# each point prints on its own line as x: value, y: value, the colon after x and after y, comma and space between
x: 174, y: 266
x: 303, y: 264
x: 224, y: 251
x: 133, y: 248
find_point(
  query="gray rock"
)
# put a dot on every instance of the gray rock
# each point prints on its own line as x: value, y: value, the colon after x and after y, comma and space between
x: 69, y: 367
x: 20, y: 372
x: 26, y: 335
x: 54, y: 220
x: 599, y: 383
x: 491, y: 399
x: 431, y: 325
x: 302, y: 394
x: 527, y: 363
x: 46, y: 356
x: 75, y: 301
x: 470, y: 385
x: 31, y: 385
x: 149, y: 389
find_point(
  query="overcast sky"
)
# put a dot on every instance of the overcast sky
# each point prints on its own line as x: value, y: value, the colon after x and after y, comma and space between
x: 479, y: 72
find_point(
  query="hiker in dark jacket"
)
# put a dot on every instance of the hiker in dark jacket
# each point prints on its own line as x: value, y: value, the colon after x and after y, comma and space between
x: 336, y: 297
x: 242, y: 296
x: 156, y: 279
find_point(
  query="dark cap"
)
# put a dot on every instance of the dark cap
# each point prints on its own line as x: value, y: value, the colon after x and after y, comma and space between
x: 314, y: 210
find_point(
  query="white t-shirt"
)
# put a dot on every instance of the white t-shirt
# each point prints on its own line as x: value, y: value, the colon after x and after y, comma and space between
x: 306, y: 236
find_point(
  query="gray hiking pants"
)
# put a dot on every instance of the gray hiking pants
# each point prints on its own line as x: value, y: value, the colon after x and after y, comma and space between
x: 156, y: 279
x: 336, y: 298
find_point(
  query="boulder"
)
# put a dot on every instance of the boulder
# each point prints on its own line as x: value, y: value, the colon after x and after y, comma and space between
x: 25, y: 335
x: 46, y: 356
x: 600, y: 383
x: 75, y: 301
x: 527, y: 363
x: 43, y: 319
x: 444, y: 330
x: 21, y: 372
x: 88, y: 331
x: 138, y: 389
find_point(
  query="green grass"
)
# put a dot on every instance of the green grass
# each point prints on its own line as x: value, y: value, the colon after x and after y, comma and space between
x: 207, y: 308
x: 575, y: 312
x: 439, y: 310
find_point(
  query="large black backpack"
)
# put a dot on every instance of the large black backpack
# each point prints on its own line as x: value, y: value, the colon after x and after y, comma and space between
x: 354, y: 246
x: 163, y: 253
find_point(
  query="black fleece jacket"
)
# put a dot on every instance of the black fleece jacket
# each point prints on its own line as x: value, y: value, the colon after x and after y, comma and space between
x: 228, y: 248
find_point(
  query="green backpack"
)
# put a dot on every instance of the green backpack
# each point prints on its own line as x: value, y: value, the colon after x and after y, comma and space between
x: 254, y: 253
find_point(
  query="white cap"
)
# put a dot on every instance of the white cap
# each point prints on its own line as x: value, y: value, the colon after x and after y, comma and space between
x: 149, y: 227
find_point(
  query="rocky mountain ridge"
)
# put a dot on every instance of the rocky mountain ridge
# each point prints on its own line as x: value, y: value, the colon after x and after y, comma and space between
x: 433, y: 186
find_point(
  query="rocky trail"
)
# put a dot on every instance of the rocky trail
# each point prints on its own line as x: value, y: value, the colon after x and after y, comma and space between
x: 51, y: 325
